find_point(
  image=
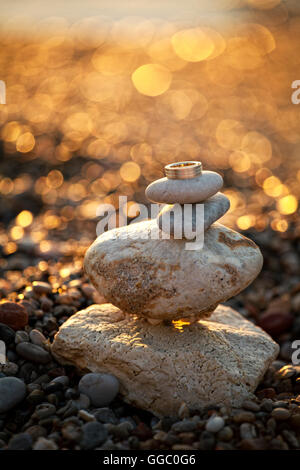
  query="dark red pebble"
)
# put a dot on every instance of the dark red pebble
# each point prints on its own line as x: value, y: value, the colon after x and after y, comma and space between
x: 275, y: 323
x: 13, y: 315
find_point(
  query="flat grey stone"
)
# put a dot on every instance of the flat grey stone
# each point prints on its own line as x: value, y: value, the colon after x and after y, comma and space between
x: 100, y: 388
x: 215, y: 361
x: 214, y: 208
x: 185, y: 191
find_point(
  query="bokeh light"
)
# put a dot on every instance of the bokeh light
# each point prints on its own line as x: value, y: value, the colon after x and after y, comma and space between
x: 96, y: 107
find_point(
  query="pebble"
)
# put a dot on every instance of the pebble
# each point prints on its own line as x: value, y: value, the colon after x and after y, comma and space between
x: 275, y: 323
x: 21, y: 337
x: 46, y: 304
x: 286, y: 372
x: 174, y: 216
x: 45, y: 444
x: 62, y: 379
x: 185, y: 425
x: 247, y: 431
x: 36, y: 397
x: 94, y: 434
x: 100, y: 388
x: 44, y: 410
x: 281, y: 414
x: 267, y: 405
x: 7, y: 334
x: 225, y: 434
x: 10, y: 368
x: 71, y: 393
x: 36, y: 337
x: 250, y: 405
x: 207, y: 441
x: 291, y: 438
x: 71, y: 432
x: 253, y: 444
x: 86, y: 416
x: 83, y: 402
x: 40, y: 287
x: 105, y: 415
x: 22, y: 441
x: 36, y: 431
x: 33, y: 353
x: 121, y: 430
x: 12, y: 392
x: 13, y: 315
x: 215, y: 424
x: 183, y: 411
x: 186, y: 191
x: 244, y: 417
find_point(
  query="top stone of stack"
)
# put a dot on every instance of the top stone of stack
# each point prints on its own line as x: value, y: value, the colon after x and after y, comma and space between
x: 185, y: 191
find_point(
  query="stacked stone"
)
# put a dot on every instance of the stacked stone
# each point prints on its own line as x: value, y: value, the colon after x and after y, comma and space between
x: 151, y: 283
x: 176, y: 192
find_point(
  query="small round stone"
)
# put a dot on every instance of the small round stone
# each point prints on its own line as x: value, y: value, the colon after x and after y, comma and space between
x: 10, y: 368
x: 215, y: 424
x: 186, y: 425
x: 176, y: 216
x: 22, y: 441
x: 251, y: 405
x: 86, y: 416
x: 45, y: 444
x: 36, y: 337
x: 40, y: 287
x: 280, y: 414
x: 13, y: 315
x: 33, y: 353
x: 100, y: 388
x: 83, y: 402
x: 244, y: 417
x: 185, y: 191
x: 7, y: 334
x: 226, y: 434
x: 247, y: 431
x: 21, y: 337
x: 105, y: 415
x: 12, y: 392
x: 94, y: 434
x: 62, y: 379
x: 44, y: 410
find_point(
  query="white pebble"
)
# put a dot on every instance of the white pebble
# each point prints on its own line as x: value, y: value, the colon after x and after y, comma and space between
x: 215, y: 424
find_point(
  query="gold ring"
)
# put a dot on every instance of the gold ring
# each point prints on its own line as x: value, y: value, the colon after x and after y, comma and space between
x: 183, y: 170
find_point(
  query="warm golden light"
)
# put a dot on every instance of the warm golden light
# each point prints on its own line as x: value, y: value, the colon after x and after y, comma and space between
x: 130, y: 171
x: 25, y: 142
x: 24, y: 219
x: 192, y: 45
x: 151, y: 79
x: 287, y: 205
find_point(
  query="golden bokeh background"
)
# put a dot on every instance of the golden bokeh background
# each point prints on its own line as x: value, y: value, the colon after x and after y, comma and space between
x: 96, y: 107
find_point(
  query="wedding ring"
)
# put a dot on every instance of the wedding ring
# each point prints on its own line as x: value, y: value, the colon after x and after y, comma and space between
x: 183, y: 170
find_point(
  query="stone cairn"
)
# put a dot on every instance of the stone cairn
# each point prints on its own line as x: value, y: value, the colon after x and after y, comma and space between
x: 164, y: 334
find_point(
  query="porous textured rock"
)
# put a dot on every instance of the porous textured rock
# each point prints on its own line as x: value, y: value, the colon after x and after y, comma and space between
x: 186, y: 191
x: 159, y: 279
x: 219, y: 361
x: 214, y: 208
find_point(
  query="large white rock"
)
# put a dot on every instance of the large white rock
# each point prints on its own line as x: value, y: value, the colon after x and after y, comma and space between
x: 219, y: 361
x: 160, y: 279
